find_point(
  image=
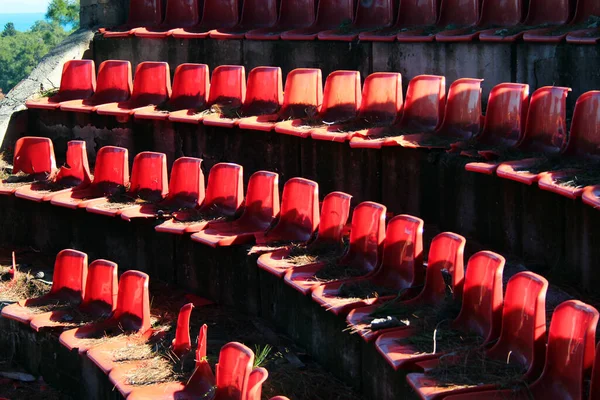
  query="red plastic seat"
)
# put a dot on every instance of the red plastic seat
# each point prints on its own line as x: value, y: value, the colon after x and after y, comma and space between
x: 341, y: 101
x: 401, y: 269
x: 585, y: 9
x: 190, y: 91
x: 142, y: 13
x: 132, y: 314
x: 255, y: 14
x: 293, y: 14
x: 68, y: 286
x: 364, y: 254
x: 74, y: 175
x: 178, y: 14
x: 371, y: 15
x: 411, y: 14
x: 330, y: 15
x: 78, y: 82
x: 149, y: 183
x: 303, y: 90
x: 217, y: 14
x: 445, y: 254
x: 255, y: 381
x: 569, y: 358
x: 33, y: 156
x: 595, y: 388
x: 224, y: 196
x: 545, y: 133
x: 333, y: 218
x: 260, y: 209
x: 99, y: 300
x: 481, y: 311
x: 263, y: 97
x: 152, y: 85
x: 382, y: 101
x: 113, y: 85
x: 423, y: 112
x: 111, y: 172
x: 522, y: 338
x: 186, y: 190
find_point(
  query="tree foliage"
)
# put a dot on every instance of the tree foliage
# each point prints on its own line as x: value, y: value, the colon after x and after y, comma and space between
x: 64, y: 12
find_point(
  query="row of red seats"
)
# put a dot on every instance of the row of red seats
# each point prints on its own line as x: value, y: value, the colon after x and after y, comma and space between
x: 125, y: 307
x: 393, y: 259
x: 374, y: 20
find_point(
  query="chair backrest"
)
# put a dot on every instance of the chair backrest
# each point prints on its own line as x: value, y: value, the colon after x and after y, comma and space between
x: 459, y: 13
x: 334, y: 215
x: 114, y: 82
x: 481, y: 311
x: 523, y: 336
x: 149, y: 179
x: 303, y: 89
x: 425, y: 103
x: 77, y: 170
x: 186, y: 188
x: 101, y: 288
x: 145, y: 13
x: 78, y: 80
x: 296, y: 14
x: 374, y: 13
x: 584, y: 137
x: 595, y: 387
x: 264, y: 94
x: 183, y: 341
x: 546, y: 130
x: 367, y: 237
x: 133, y: 302
x: 34, y: 155
x: 462, y: 117
x: 262, y: 199
x: 501, y: 13
x: 70, y: 274
x: 202, y: 379
x: 382, y: 98
x: 151, y: 84
x: 554, y: 12
x: 417, y: 13
x: 342, y: 96
x: 584, y: 10
x: 228, y: 85
x: 257, y: 377
x: 225, y: 189
x: 111, y: 169
x: 220, y: 14
x: 259, y: 13
x: 182, y: 13
x: 233, y: 371
x: 330, y: 14
x: 191, y: 85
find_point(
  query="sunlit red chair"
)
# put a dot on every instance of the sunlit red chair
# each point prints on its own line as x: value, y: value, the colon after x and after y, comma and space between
x: 33, y: 156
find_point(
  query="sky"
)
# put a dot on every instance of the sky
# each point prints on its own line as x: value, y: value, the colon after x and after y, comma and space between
x: 23, y: 6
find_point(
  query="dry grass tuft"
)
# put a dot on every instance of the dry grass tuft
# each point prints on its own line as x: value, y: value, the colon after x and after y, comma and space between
x: 25, y: 287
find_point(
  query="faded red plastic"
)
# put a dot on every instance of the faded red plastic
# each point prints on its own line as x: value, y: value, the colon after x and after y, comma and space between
x: 411, y: 14
x: 111, y: 172
x: 178, y: 14
x: 32, y: 156
x: 293, y: 14
x: 78, y: 82
x: 255, y: 14
x: 585, y: 9
x: 367, y: 236
x: 68, y: 285
x: 334, y: 215
x: 303, y: 89
x: 375, y: 14
x: 141, y: 13
x: 233, y: 371
x: 183, y: 342
x: 257, y: 377
x: 114, y: 85
x: 227, y: 87
x: 152, y: 85
x: 381, y: 103
x: 220, y: 14
x: 330, y: 15
x: 261, y: 208
x: 341, y: 100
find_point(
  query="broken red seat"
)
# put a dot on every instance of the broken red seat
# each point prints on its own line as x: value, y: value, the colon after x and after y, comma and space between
x: 400, y: 271
x: 341, y: 101
x: 189, y: 96
x: 569, y: 358
x: 132, y: 316
x: 333, y: 218
x: 186, y: 190
x: 78, y: 82
x: 503, y: 128
x: 99, y: 299
x: 293, y: 14
x: 541, y: 13
x: 445, y: 257
x: 522, y: 339
x: 499, y: 13
x: 412, y: 14
x: 330, y: 15
x: 255, y: 14
x: 68, y: 286
x: 223, y: 198
x: 582, y: 147
x: 216, y: 14
x: 423, y: 112
x: 585, y: 9
x: 257, y: 377
x: 33, y: 156
x: 370, y: 15
x: 303, y: 92
x: 110, y: 174
x: 141, y: 13
x: 151, y: 85
x: 178, y: 14
x: 264, y: 96
x: 481, y: 312
x: 381, y: 102
x: 545, y: 134
x: 364, y: 254
x: 114, y: 84
x: 261, y: 206
x: 149, y: 183
x: 74, y: 175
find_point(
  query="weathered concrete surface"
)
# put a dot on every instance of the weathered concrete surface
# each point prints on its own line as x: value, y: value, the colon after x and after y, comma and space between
x: 103, y: 13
